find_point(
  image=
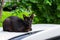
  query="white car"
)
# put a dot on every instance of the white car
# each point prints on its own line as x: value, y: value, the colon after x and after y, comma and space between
x: 39, y: 32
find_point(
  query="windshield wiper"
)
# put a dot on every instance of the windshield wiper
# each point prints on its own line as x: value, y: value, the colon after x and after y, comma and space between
x: 24, y: 35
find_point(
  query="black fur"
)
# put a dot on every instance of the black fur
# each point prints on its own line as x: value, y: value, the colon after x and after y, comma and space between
x: 15, y: 24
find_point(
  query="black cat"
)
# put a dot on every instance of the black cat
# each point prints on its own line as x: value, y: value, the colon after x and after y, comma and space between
x: 15, y: 24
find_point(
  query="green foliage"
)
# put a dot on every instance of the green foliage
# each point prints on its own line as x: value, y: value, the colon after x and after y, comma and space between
x: 46, y: 11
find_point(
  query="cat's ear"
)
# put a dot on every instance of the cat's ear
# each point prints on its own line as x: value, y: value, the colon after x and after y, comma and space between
x: 32, y: 16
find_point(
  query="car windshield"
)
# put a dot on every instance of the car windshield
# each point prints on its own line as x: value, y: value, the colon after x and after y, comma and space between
x: 54, y: 38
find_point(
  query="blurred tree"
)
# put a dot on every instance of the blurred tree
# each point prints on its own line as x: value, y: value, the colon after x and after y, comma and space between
x: 1, y: 5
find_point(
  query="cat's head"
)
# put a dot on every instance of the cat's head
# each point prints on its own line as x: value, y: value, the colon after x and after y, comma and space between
x: 28, y: 20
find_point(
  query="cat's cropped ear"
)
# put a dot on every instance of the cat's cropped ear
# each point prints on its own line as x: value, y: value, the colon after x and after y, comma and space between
x: 24, y: 16
x: 32, y: 16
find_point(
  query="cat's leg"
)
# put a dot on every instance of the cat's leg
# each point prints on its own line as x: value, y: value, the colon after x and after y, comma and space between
x: 7, y: 25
